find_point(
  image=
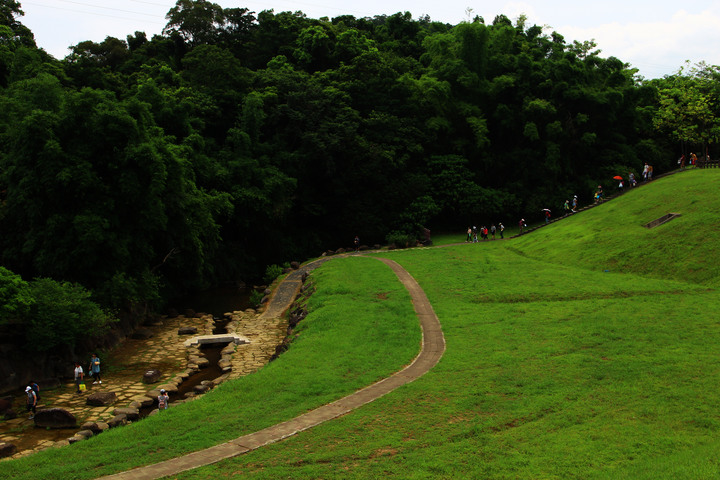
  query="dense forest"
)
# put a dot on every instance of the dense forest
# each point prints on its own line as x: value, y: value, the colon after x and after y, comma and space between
x: 136, y: 169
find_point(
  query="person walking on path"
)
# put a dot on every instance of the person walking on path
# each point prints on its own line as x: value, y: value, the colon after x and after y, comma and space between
x: 36, y: 388
x: 79, y: 375
x: 95, y: 369
x: 645, y: 173
x: 163, y: 400
x: 502, y: 229
x: 631, y: 179
x: 493, y: 229
x: 566, y: 207
x: 469, y: 235
x: 356, y: 242
x: 521, y: 224
x: 650, y: 172
x: 31, y: 401
x: 574, y: 204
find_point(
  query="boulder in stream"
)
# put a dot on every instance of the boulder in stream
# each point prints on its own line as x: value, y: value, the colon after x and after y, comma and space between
x: 152, y: 376
x: 101, y: 399
x: 55, y: 418
x: 7, y: 449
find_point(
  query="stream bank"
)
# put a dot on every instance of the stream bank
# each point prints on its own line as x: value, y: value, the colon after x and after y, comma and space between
x: 162, y: 350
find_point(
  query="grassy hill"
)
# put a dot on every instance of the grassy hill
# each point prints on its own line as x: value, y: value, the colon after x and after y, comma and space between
x: 554, y: 367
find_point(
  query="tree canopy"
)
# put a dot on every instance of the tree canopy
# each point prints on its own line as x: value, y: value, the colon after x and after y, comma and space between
x: 140, y: 168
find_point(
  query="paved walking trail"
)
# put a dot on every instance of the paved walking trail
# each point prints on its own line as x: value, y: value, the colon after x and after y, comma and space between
x: 433, y: 347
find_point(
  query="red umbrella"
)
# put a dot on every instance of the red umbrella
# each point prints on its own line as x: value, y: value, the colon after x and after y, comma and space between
x: 617, y: 177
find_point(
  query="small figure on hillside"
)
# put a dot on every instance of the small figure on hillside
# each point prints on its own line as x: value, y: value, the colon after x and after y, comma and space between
x: 356, y: 242
x: 485, y: 232
x: 599, y: 194
x: 693, y: 158
x: 493, y: 229
x: 574, y: 204
x: 620, y: 186
x: 94, y: 368
x: 521, y: 225
x: 681, y: 161
x: 650, y: 172
x: 645, y: 173
x: 502, y: 229
x: 79, y: 375
x: 469, y: 235
x: 163, y: 400
x: 474, y: 235
x: 566, y: 207
x: 631, y: 179
x: 546, y: 212
x: 31, y: 401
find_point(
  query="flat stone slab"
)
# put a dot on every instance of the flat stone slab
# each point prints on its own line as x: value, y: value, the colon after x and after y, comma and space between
x: 221, y: 338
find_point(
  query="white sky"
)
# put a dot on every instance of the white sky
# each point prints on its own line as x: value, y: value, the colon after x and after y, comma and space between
x: 654, y: 36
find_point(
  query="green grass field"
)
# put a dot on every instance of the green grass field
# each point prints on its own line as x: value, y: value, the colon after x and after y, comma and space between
x: 587, y: 349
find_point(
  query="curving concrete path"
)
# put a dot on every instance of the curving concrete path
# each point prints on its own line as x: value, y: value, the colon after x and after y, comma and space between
x: 432, y: 349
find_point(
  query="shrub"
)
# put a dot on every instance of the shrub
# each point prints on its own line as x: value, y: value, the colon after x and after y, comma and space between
x: 401, y: 239
x: 58, y: 314
x: 271, y: 273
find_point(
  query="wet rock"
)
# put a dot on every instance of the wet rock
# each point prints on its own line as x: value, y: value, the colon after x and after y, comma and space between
x: 117, y: 421
x: 101, y: 399
x: 143, y: 400
x: 152, y: 376
x: 295, y: 265
x: 131, y: 414
x: 85, y: 433
x: 76, y: 438
x: 169, y: 387
x: 5, y: 404
x: 7, y: 449
x: 10, y: 414
x: 55, y: 418
x: 142, y: 334
x: 94, y: 427
x: 187, y: 330
x: 200, y: 389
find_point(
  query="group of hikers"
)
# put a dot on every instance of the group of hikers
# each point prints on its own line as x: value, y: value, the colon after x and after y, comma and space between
x: 33, y: 389
x: 485, y: 233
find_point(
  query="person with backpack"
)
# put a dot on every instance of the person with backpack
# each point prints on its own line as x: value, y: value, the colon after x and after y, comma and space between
x: 36, y: 388
x: 31, y: 401
x: 163, y: 400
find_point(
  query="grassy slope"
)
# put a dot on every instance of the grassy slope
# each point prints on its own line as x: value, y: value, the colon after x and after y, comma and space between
x: 551, y: 371
x: 353, y: 337
x: 553, y: 368
x: 612, y: 235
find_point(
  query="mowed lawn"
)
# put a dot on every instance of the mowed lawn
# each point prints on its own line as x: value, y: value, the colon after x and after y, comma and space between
x: 555, y: 367
x: 582, y: 350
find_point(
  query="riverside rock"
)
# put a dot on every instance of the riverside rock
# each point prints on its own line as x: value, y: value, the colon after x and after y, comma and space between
x: 152, y: 376
x: 131, y: 414
x: 7, y: 449
x: 101, y: 399
x: 55, y: 418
